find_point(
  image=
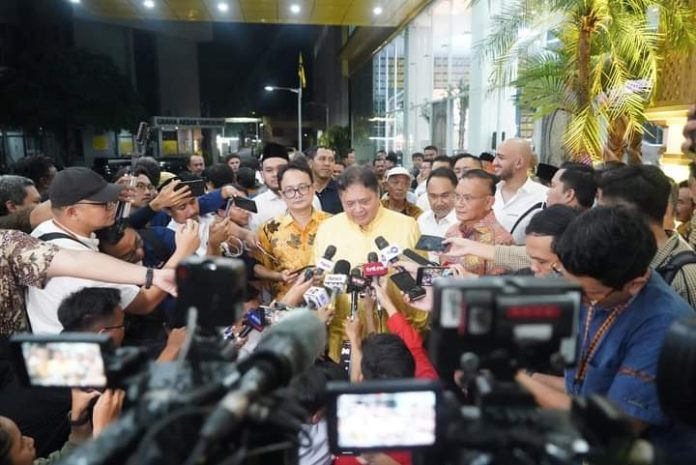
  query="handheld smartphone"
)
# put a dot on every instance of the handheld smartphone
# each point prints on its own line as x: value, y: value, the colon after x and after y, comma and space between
x: 197, y: 187
x: 246, y: 204
x: 426, y: 274
x: 406, y: 283
x: 301, y: 270
x: 403, y: 415
x: 431, y: 243
x: 61, y: 360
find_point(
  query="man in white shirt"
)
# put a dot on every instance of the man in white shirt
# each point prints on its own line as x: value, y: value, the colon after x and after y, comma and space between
x: 441, y: 216
x: 517, y: 197
x: 82, y: 202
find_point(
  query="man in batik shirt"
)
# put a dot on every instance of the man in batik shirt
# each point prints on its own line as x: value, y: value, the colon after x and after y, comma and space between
x: 474, y: 198
x: 286, y: 241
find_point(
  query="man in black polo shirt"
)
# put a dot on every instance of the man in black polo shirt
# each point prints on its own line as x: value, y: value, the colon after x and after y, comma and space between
x: 322, y: 161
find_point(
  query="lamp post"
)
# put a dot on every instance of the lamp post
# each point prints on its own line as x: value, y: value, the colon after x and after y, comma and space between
x: 298, y: 91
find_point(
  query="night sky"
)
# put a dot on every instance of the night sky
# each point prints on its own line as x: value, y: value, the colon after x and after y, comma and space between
x: 243, y: 58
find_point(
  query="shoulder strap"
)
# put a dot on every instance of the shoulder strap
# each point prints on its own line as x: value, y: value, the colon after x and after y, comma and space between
x: 536, y: 206
x: 59, y: 235
x: 675, y: 263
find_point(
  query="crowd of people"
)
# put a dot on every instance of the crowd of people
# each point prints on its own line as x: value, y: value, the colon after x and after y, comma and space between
x: 85, y: 254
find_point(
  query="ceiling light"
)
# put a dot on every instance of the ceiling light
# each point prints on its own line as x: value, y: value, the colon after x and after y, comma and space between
x: 223, y: 7
x: 75, y: 1
x: 149, y: 4
x: 295, y: 8
x: 377, y: 10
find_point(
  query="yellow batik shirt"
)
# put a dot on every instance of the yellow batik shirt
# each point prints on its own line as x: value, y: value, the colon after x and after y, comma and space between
x: 289, y: 243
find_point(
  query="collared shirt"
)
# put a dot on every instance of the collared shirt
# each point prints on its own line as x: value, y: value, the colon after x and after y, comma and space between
x: 353, y: 243
x: 204, y: 223
x: 42, y: 304
x: 510, y: 212
x: 432, y: 227
x: 684, y: 282
x: 624, y: 366
x: 409, y: 209
x: 487, y: 230
x: 290, y: 243
x: 269, y: 205
x: 329, y: 199
x: 24, y: 262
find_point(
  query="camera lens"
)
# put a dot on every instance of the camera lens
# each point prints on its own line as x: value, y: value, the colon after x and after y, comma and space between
x: 676, y: 372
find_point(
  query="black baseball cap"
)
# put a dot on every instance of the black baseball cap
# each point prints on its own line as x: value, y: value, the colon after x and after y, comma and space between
x: 77, y: 183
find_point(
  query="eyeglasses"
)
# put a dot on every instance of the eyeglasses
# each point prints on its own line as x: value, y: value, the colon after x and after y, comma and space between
x: 106, y: 205
x: 141, y: 186
x: 468, y: 198
x: 132, y: 254
x: 291, y: 192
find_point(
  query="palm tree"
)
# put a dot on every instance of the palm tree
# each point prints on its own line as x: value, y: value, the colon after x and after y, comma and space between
x: 598, y: 61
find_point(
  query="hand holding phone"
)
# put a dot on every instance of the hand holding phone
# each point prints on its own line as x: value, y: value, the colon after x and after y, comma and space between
x: 245, y: 204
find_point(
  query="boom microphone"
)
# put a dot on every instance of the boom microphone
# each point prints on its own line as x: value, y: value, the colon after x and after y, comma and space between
x: 286, y: 350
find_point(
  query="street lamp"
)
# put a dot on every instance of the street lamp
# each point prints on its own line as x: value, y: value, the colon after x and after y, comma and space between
x: 298, y: 91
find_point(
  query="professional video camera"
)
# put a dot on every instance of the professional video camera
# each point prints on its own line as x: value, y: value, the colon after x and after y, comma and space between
x: 176, y: 406
x: 485, y: 330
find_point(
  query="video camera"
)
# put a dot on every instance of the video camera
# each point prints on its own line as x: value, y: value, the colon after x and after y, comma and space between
x: 486, y: 330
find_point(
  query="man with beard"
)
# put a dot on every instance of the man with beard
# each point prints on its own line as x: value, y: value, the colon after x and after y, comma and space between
x: 322, y: 162
x: 517, y: 197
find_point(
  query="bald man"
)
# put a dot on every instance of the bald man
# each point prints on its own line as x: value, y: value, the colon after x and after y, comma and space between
x: 517, y: 197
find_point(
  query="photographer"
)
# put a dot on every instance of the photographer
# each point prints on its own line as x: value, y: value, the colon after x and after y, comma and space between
x: 16, y: 449
x: 628, y: 309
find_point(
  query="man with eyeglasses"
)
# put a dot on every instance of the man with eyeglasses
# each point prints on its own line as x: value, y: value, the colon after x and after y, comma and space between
x: 627, y: 310
x: 473, y: 204
x: 398, y: 182
x: 288, y: 238
x: 144, y: 191
x: 270, y: 203
x: 517, y: 197
x: 82, y: 202
x: 441, y: 216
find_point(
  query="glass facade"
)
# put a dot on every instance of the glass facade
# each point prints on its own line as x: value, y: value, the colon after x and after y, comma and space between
x: 428, y: 83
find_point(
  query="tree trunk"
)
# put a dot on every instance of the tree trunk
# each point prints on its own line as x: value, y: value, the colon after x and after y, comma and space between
x: 583, y: 73
x: 615, y: 146
x: 634, y: 148
x: 463, y: 106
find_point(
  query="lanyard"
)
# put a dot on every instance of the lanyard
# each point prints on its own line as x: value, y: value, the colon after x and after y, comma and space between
x: 589, y: 351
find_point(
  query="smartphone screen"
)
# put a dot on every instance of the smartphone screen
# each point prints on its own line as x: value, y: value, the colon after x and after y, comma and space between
x: 397, y: 419
x: 430, y: 243
x: 405, y: 282
x: 426, y: 274
x: 64, y: 364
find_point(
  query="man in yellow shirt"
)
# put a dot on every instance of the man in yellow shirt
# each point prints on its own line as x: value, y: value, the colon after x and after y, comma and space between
x: 353, y: 233
x: 288, y: 238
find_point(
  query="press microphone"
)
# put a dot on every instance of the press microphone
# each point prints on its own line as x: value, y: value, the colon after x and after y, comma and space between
x: 287, y: 349
x: 356, y: 281
x: 373, y: 267
x: 387, y: 253
x: 338, y: 280
x: 316, y: 297
x: 253, y: 320
x: 325, y: 264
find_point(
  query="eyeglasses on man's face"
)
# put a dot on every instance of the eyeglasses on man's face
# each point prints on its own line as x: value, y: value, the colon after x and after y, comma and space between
x: 291, y: 192
x: 106, y: 205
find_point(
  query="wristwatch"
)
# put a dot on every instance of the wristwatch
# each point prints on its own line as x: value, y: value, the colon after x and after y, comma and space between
x: 149, y: 276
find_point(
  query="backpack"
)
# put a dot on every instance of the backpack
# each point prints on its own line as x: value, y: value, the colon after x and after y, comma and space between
x: 669, y: 269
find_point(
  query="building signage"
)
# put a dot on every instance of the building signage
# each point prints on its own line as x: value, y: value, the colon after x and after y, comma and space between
x: 187, y: 122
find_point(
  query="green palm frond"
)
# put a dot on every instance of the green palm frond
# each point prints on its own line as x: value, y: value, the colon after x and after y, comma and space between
x: 582, y: 136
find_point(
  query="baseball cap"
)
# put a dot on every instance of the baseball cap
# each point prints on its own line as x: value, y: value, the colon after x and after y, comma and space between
x: 77, y: 183
x: 397, y: 170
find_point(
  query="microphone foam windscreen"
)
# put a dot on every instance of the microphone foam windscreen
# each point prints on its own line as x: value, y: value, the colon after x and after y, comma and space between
x: 342, y: 267
x: 330, y: 252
